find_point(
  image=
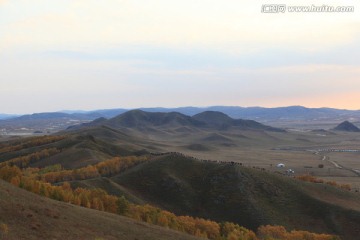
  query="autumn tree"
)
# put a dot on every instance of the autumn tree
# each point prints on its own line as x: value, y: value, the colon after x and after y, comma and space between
x: 272, y: 232
x: 4, y: 230
x: 9, y: 172
x: 269, y: 232
x: 122, y: 205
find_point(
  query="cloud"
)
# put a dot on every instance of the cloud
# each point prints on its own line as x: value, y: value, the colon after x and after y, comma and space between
x: 143, y: 53
x: 235, y: 27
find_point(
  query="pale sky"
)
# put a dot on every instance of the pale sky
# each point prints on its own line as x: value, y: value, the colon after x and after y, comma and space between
x: 97, y: 54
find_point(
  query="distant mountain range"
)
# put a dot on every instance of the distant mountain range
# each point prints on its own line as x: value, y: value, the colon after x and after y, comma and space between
x: 279, y: 117
x: 7, y: 116
x: 291, y: 112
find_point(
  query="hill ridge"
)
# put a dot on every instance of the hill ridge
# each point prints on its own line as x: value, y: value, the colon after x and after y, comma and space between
x: 208, y: 119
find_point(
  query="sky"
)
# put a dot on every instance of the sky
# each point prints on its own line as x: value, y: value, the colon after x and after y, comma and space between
x: 92, y: 54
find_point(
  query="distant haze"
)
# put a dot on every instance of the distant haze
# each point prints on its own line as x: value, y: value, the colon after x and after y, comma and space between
x: 77, y: 54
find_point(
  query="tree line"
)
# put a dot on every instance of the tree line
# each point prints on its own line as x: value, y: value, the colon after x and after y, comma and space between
x: 25, y: 161
x: 32, y: 142
x: 102, y: 169
x: 309, y: 178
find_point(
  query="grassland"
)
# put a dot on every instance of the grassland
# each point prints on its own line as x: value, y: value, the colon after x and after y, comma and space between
x: 267, y: 149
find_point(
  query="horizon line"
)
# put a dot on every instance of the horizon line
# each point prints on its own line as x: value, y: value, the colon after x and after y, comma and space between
x: 134, y: 108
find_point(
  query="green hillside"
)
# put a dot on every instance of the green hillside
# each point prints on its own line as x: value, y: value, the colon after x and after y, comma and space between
x: 249, y: 197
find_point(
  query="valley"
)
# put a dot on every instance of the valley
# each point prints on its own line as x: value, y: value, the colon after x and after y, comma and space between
x: 209, y: 166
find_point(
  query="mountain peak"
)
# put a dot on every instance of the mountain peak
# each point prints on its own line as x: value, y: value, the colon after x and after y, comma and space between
x: 136, y: 118
x: 347, y: 127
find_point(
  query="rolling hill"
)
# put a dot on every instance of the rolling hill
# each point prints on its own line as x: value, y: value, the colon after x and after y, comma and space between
x: 29, y: 216
x: 80, y: 149
x: 227, y: 192
x: 249, y: 197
